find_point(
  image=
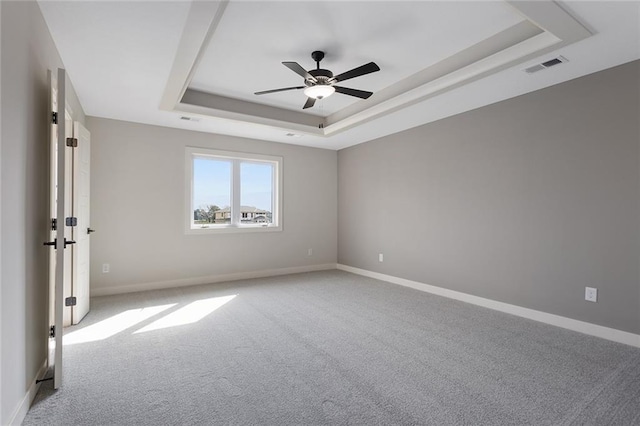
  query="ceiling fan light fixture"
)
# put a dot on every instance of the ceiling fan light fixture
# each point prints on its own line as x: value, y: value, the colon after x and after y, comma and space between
x: 319, y: 91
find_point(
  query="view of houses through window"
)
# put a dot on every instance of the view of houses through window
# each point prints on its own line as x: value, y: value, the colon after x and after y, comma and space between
x: 213, y: 191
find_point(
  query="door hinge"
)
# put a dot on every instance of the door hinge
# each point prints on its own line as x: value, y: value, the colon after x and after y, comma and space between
x: 71, y: 221
x: 54, y: 117
x: 52, y: 331
x: 70, y: 301
x: 54, y: 224
x: 72, y: 142
x: 54, y: 243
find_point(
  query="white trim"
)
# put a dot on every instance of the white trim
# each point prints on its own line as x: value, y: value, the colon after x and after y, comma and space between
x: 1, y: 230
x: 202, y: 21
x: 544, y: 317
x: 211, y: 279
x: 236, y: 216
x: 21, y: 410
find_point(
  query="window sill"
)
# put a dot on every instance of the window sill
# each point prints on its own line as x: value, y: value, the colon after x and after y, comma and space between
x: 228, y: 229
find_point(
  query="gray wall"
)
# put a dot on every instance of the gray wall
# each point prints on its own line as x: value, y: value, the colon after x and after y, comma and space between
x: 138, y: 197
x: 526, y: 201
x: 27, y: 52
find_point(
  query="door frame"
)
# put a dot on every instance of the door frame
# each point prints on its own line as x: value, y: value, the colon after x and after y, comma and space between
x: 60, y: 229
x: 59, y: 266
x: 52, y: 233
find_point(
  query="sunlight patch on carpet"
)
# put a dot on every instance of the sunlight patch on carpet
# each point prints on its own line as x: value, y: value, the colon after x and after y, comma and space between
x: 189, y: 314
x: 113, y: 325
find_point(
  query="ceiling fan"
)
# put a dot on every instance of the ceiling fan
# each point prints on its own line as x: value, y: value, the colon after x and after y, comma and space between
x: 320, y: 83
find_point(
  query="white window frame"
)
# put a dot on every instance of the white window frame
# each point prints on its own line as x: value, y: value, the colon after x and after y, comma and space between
x: 236, y: 225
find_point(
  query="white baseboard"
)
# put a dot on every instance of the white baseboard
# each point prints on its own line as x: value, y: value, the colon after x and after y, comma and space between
x: 552, y: 319
x: 184, y: 282
x: 21, y: 410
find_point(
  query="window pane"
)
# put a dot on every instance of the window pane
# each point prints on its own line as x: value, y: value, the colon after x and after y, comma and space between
x: 211, y: 191
x: 256, y: 192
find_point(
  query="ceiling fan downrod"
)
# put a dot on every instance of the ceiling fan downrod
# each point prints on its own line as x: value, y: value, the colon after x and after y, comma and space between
x: 317, y: 56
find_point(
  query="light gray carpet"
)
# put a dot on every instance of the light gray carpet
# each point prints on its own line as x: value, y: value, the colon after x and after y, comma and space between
x: 336, y: 348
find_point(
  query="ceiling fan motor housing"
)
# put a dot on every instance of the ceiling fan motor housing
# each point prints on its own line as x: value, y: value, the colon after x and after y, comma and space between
x: 321, y: 75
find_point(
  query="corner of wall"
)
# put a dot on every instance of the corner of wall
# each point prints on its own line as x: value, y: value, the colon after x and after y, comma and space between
x: 17, y: 417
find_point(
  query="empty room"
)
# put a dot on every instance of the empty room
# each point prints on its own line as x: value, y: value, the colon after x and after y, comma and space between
x: 319, y: 212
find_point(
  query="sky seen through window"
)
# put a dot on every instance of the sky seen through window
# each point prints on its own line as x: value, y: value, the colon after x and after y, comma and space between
x: 212, y: 183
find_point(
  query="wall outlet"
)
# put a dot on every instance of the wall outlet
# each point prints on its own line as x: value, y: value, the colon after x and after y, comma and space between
x: 380, y: 257
x: 105, y: 268
x: 591, y: 294
x: 309, y: 252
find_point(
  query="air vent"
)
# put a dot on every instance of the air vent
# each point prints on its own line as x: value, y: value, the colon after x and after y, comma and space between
x: 547, y: 64
x: 552, y: 62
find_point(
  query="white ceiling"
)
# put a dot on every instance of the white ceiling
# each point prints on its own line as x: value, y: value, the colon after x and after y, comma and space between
x: 246, y: 51
x: 134, y: 60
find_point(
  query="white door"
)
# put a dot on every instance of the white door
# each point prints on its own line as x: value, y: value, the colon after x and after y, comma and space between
x: 81, y: 232
x: 59, y: 195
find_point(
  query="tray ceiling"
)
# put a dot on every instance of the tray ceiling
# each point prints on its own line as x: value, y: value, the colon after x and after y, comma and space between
x: 245, y: 53
x: 196, y: 65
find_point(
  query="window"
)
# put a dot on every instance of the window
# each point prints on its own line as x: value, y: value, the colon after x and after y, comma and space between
x: 232, y: 191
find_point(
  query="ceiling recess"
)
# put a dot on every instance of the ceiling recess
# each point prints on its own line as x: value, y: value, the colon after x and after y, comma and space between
x: 525, y: 30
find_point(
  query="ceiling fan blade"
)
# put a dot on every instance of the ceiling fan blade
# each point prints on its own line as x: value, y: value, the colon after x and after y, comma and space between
x: 357, y: 72
x: 309, y: 103
x: 264, y: 92
x: 297, y: 68
x: 353, y: 92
